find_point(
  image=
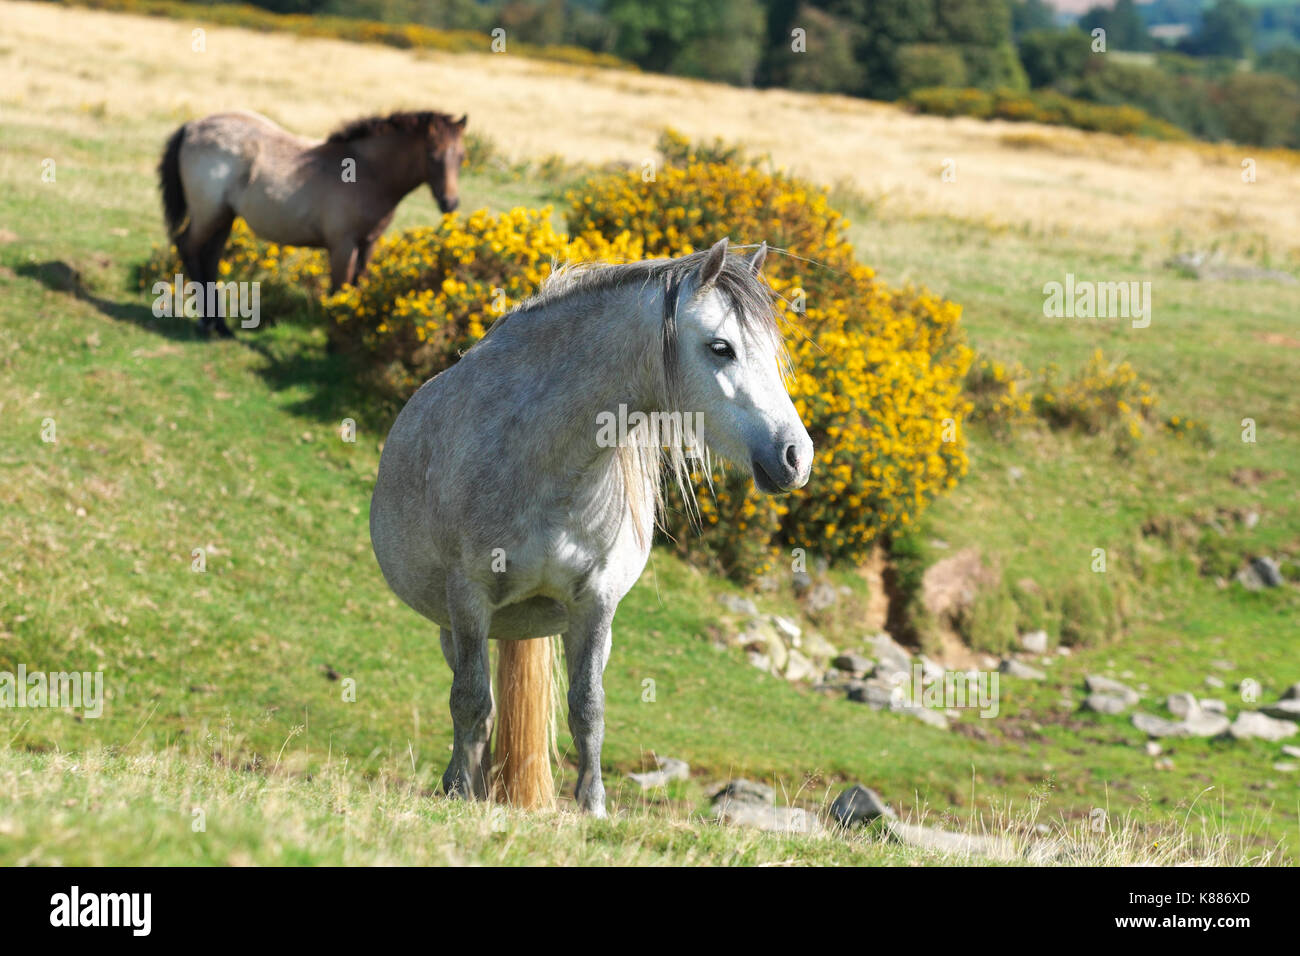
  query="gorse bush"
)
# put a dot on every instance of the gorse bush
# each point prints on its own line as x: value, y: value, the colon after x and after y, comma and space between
x: 879, y: 371
x: 431, y: 293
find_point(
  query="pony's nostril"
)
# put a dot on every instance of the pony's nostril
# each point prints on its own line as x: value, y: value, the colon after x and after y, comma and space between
x: 792, y: 457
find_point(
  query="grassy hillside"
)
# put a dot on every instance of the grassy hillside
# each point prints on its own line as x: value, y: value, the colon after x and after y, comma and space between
x: 226, y: 684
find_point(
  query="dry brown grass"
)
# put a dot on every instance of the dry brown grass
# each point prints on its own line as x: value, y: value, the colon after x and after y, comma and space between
x: 105, y: 68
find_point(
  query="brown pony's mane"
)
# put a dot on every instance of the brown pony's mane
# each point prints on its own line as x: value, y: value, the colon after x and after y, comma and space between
x: 402, y: 122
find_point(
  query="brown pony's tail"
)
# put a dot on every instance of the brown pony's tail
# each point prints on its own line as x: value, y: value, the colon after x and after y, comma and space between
x: 523, y: 732
x: 169, y: 181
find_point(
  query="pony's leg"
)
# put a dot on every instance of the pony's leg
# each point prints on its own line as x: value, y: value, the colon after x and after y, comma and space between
x: 364, y: 248
x: 343, y: 264
x: 466, y: 648
x: 209, y: 259
x: 586, y: 652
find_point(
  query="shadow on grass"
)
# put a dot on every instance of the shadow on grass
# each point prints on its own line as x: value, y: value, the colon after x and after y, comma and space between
x: 296, y: 359
x: 58, y: 276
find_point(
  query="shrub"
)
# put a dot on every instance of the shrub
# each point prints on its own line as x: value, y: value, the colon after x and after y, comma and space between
x: 879, y: 370
x: 996, y: 396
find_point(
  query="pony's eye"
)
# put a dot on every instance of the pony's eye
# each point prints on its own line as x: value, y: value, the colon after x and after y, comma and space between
x: 722, y: 349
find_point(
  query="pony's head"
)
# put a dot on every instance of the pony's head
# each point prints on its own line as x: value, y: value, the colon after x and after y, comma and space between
x: 445, y: 152
x: 725, y: 359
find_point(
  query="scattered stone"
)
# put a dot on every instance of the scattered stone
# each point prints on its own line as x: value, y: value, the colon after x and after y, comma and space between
x: 853, y: 663
x: 760, y: 638
x: 670, y: 768
x: 797, y: 667
x: 858, y: 805
x: 876, y: 694
x: 1223, y: 665
x: 1097, y: 684
x: 924, y: 714
x: 1290, y: 750
x: 930, y: 670
x: 802, y: 582
x: 1268, y: 572
x: 1105, y: 703
x: 1182, y: 705
x: 1283, y: 710
x: 891, y: 657
x: 770, y: 819
x: 1199, y: 724
x: 789, y: 631
x: 761, y: 661
x: 1215, y: 682
x: 822, y: 597
x: 1035, y: 642
x: 1014, y: 668
x: 1285, y: 767
x: 741, y: 790
x: 738, y: 604
x: 1253, y: 723
x: 1292, y: 692
x: 1164, y: 763
x: 965, y: 844
x: 1153, y: 749
x: 1213, y: 706
x: 817, y: 647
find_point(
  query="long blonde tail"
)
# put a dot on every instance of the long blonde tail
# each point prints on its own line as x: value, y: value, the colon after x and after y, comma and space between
x: 523, y: 731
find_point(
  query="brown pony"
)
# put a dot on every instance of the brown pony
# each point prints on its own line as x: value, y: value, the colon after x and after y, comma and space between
x: 338, y: 194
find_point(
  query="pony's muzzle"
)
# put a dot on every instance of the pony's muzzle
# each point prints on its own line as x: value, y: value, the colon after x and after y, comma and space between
x: 787, y: 469
x: 448, y: 204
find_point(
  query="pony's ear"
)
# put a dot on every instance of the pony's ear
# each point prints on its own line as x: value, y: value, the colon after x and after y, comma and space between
x: 712, y: 267
x: 462, y: 121
x: 758, y: 258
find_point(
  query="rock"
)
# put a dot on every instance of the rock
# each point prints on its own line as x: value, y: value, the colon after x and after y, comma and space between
x: 761, y: 661
x: 965, y: 844
x: 858, y: 805
x: 1105, y: 703
x: 1035, y: 642
x: 1181, y: 705
x: 818, y: 648
x: 924, y: 714
x: 1290, y: 750
x: 891, y: 657
x: 930, y: 670
x: 1200, y: 724
x: 853, y: 663
x: 741, y: 790
x: 1292, y: 692
x: 1153, y: 749
x: 737, y: 604
x: 1254, y: 724
x: 1223, y: 665
x: 789, y: 631
x: 761, y: 638
x: 1283, y: 710
x: 1268, y: 572
x: 1286, y: 767
x: 1213, y: 706
x: 1097, y: 684
x: 670, y: 768
x: 876, y: 694
x: 802, y: 582
x: 770, y: 819
x: 798, y: 667
x: 822, y: 597
x: 1014, y: 668
x: 1215, y: 682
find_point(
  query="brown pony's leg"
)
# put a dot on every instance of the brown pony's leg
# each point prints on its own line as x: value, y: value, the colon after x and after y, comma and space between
x: 343, y: 264
x: 364, y: 248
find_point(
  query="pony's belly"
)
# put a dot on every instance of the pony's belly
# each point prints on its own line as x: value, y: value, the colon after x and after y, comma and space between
x: 534, y: 617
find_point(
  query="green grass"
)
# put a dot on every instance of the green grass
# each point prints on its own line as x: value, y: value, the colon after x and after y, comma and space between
x: 220, y: 682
